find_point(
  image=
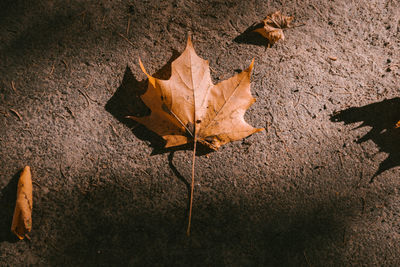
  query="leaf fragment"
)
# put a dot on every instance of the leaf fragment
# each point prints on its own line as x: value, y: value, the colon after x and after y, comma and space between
x: 273, y: 27
x: 22, y: 219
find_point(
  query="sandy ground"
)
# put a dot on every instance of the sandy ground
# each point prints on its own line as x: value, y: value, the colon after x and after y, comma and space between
x: 319, y: 187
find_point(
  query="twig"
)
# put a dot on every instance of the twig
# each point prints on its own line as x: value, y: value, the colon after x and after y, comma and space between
x: 28, y: 237
x: 83, y: 14
x: 122, y: 185
x: 297, y: 25
x: 113, y: 129
x: 233, y: 27
x: 89, y: 83
x: 70, y: 112
x: 85, y: 96
x: 65, y: 63
x: 134, y: 126
x: 127, y: 26
x: 109, y: 90
x: 80, y: 14
x: 272, y: 117
x: 90, y: 97
x: 298, y: 100
x: 144, y: 172
x: 52, y: 70
x: 319, y: 12
x: 61, y: 171
x: 312, y: 94
x: 16, y: 113
x: 29, y: 131
x: 345, y: 93
x: 13, y: 86
x: 283, y: 141
x: 212, y: 69
x: 36, y: 183
x: 126, y: 39
x: 59, y: 115
x: 305, y: 256
x: 97, y: 172
x: 102, y: 20
x: 192, y: 186
x: 309, y: 112
x: 362, y: 205
x: 344, y: 235
x: 341, y: 160
x: 56, y: 248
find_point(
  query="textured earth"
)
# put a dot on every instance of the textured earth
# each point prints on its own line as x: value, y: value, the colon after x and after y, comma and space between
x: 319, y: 187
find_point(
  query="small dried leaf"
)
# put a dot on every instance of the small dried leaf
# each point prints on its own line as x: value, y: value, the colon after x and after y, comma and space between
x: 273, y: 35
x: 273, y: 25
x: 22, y: 219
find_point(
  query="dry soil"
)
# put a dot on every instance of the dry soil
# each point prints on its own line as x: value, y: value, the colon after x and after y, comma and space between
x: 319, y: 187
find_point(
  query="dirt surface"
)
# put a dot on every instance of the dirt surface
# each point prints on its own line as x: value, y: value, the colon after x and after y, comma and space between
x: 319, y: 187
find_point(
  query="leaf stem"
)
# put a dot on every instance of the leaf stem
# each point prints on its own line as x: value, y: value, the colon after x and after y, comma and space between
x: 192, y: 186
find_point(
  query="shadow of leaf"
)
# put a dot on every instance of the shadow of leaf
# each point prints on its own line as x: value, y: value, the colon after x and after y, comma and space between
x: 126, y: 101
x: 251, y: 37
x: 382, y: 117
x: 8, y: 197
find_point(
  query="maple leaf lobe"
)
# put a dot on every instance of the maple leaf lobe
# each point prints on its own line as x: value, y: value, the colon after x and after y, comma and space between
x: 189, y: 105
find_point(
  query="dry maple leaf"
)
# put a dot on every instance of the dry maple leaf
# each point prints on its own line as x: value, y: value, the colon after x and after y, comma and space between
x: 22, y: 219
x: 189, y: 107
x: 273, y: 25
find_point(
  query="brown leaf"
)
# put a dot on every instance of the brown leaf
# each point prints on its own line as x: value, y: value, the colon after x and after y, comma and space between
x: 22, y: 220
x: 273, y: 25
x: 190, y: 107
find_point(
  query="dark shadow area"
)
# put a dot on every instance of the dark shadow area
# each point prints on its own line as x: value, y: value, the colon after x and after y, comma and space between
x: 132, y: 229
x: 251, y: 37
x: 9, y: 8
x: 127, y: 101
x: 382, y: 117
x: 52, y: 35
x: 291, y: 237
x: 44, y: 32
x: 8, y: 196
